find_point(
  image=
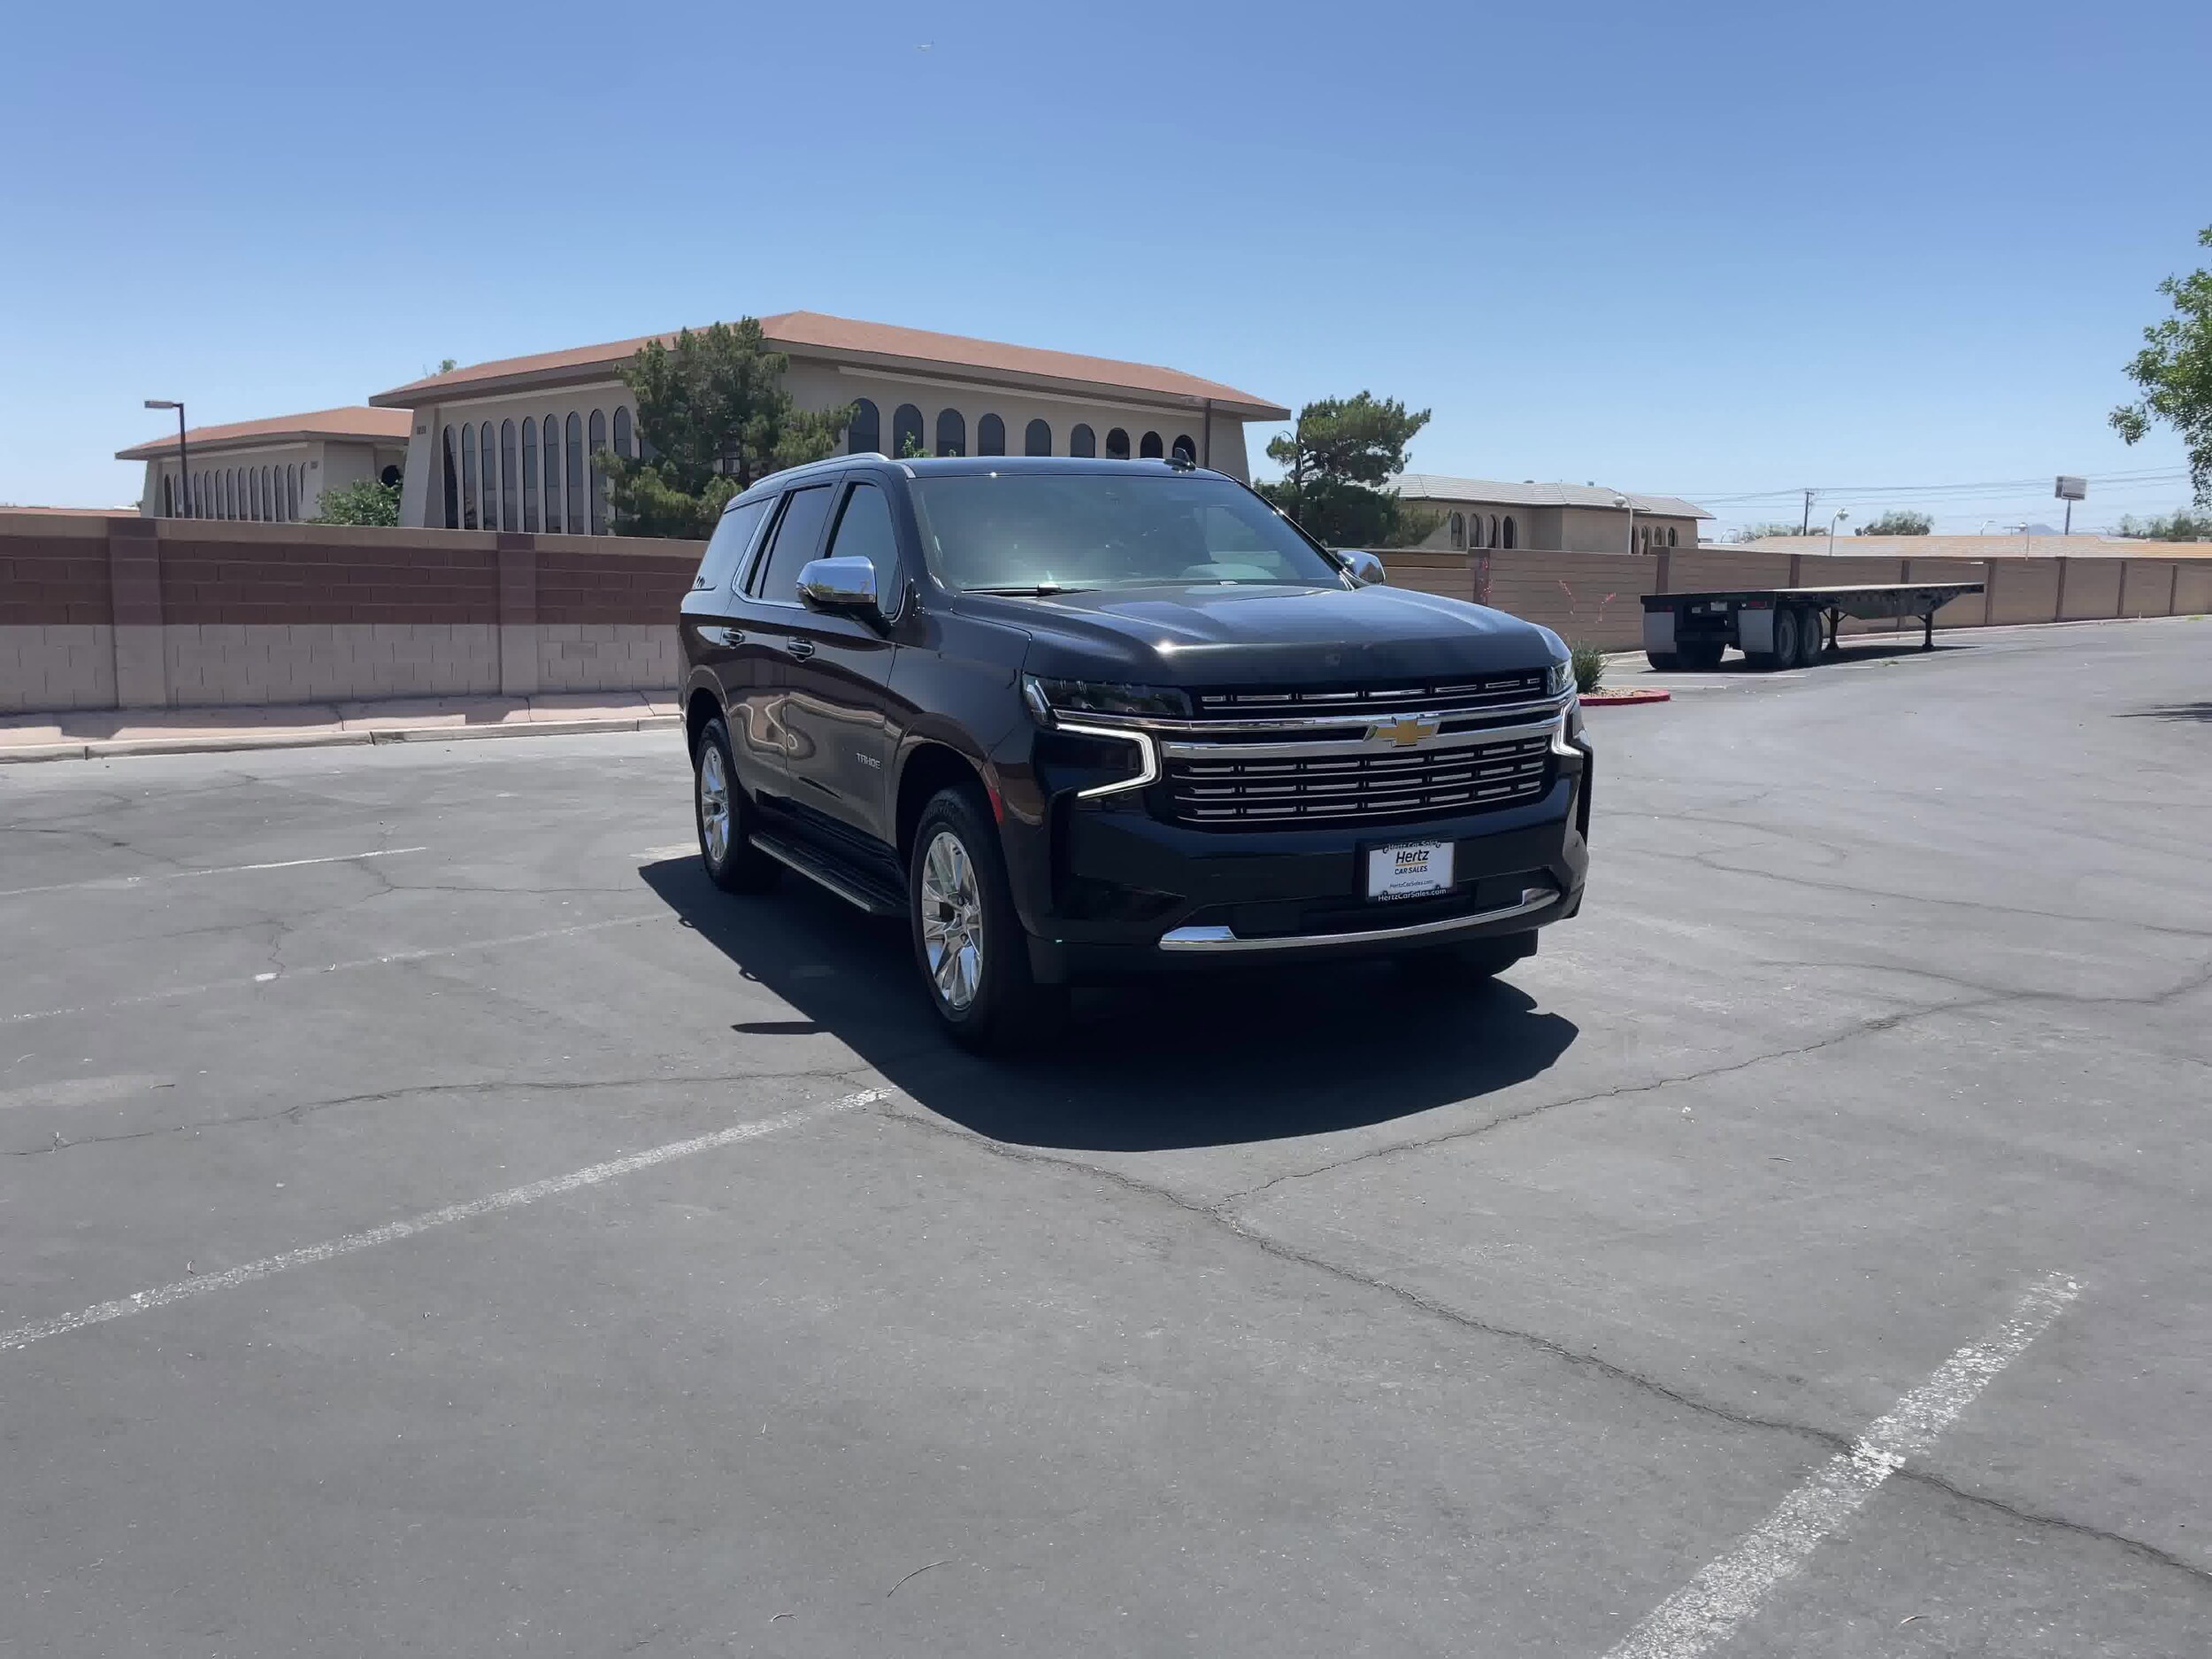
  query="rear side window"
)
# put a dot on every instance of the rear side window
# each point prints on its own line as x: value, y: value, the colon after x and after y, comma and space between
x: 798, y: 532
x: 728, y: 545
x: 863, y: 531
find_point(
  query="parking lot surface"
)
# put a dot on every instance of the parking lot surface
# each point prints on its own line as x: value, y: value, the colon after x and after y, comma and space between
x: 432, y: 1219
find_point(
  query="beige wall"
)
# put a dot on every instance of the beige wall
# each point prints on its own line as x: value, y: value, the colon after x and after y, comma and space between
x: 325, y: 464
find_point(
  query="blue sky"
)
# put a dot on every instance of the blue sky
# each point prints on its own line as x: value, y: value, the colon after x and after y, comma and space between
x: 1697, y: 250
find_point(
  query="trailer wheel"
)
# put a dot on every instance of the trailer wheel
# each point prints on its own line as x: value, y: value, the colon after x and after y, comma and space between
x: 1808, y: 638
x: 1702, y: 656
x: 1665, y: 662
x: 1786, y: 636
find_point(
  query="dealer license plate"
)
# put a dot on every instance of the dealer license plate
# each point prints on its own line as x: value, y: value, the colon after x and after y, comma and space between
x: 1407, y: 870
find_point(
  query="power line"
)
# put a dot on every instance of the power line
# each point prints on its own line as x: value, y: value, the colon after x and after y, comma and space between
x: 2161, y: 476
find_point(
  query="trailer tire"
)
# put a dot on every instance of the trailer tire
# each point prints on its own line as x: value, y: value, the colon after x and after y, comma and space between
x: 1786, y: 634
x: 1808, y: 638
x: 1701, y: 656
x: 1665, y: 662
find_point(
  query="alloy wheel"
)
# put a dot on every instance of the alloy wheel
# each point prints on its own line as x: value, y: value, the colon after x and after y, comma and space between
x: 714, y: 804
x: 952, y: 920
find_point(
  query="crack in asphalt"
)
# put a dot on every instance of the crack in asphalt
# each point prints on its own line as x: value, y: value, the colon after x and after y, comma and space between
x: 1828, y: 1439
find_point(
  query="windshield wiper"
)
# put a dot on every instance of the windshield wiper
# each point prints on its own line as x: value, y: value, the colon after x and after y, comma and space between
x: 1039, y: 591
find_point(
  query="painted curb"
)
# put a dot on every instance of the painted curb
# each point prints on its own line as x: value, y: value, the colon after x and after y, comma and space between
x: 1627, y: 699
x: 111, y: 747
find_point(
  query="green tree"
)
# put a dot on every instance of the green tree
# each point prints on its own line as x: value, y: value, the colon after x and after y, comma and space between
x: 363, y: 501
x: 1898, y: 521
x: 1759, y: 531
x: 1337, y: 465
x: 2174, y: 373
x: 2173, y: 527
x: 713, y: 418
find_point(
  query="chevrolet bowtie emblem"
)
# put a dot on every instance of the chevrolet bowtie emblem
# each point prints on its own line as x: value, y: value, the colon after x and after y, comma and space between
x: 1404, y: 732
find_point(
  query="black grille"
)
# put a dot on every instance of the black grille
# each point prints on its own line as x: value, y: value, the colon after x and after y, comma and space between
x: 1489, y: 691
x: 1359, y: 788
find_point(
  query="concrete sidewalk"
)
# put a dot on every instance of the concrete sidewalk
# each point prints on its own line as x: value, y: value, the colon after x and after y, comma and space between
x: 87, y: 735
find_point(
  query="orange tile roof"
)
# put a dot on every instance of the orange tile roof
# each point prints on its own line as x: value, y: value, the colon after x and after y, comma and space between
x: 811, y: 333
x: 389, y: 425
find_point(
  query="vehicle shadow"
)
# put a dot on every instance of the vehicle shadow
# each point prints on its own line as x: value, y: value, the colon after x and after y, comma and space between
x: 2170, y: 711
x: 1190, y: 1061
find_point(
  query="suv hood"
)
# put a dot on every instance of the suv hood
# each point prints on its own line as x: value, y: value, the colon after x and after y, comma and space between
x: 1218, y: 636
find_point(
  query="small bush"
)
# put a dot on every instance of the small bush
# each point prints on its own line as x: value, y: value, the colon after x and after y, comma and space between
x: 1589, y: 667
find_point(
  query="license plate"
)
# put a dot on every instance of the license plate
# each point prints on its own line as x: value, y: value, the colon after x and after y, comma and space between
x: 1406, y: 871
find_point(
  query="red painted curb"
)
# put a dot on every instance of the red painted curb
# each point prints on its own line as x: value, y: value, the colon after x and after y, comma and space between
x: 1604, y: 699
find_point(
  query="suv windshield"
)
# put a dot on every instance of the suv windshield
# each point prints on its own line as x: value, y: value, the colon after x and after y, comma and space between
x: 1025, y: 532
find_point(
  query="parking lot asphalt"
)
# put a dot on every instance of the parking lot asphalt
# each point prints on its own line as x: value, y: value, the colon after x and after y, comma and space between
x: 435, y: 1220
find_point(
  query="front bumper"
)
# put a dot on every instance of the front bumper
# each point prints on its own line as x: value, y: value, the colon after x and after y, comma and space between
x: 1114, y: 889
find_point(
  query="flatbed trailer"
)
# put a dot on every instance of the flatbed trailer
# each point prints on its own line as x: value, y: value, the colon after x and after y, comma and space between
x: 1780, y: 627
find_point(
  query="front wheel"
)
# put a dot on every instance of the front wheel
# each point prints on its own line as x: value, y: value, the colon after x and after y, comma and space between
x: 968, y: 939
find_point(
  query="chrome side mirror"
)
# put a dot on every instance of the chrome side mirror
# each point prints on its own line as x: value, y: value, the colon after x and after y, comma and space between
x: 845, y: 586
x: 1363, y: 567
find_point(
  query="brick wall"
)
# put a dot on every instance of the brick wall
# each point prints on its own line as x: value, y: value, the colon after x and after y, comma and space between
x: 98, y: 612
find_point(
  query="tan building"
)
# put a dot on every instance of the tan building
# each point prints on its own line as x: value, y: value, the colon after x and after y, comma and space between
x: 508, y: 445
x: 1488, y: 512
x: 272, y: 472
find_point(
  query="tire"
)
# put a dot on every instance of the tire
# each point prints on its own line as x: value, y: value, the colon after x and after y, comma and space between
x: 1477, y: 960
x: 1665, y: 662
x: 1786, y: 635
x: 1703, y: 657
x: 1808, y: 631
x: 969, y: 941
x: 724, y: 818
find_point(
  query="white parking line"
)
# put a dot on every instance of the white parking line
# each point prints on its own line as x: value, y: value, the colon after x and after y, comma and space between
x: 1706, y: 1612
x: 120, y: 883
x: 178, y: 992
x: 392, y: 1232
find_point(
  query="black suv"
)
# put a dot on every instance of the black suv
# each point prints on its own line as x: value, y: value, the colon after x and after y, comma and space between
x: 1078, y: 718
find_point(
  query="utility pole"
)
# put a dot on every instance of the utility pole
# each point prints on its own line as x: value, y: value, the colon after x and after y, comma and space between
x: 1805, y: 525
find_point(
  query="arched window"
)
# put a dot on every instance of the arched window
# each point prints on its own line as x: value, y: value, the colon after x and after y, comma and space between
x: 230, y: 491
x: 1184, y: 449
x: 575, y: 472
x: 258, y: 479
x: 990, y: 435
x: 865, y: 434
x: 1670, y: 535
x: 622, y: 433
x: 292, y: 491
x: 510, y: 515
x: 1037, y: 438
x: 598, y: 474
x: 468, y: 476
x: 1082, y: 441
x: 952, y: 431
x: 906, y: 432
x: 1151, y: 447
x: 1493, y: 529
x: 487, y: 441
x: 1459, y: 531
x: 1643, y: 537
x: 168, y: 497
x: 452, y: 482
x: 553, y: 472
x: 1118, y: 445
x: 529, y: 472
x: 1509, y: 533
x: 269, y: 511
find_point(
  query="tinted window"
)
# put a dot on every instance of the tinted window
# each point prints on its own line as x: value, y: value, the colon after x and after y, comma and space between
x: 952, y: 433
x: 798, y: 532
x: 1150, y: 448
x: 863, y: 531
x: 1083, y: 442
x: 906, y: 432
x: 1037, y: 439
x: 990, y: 435
x: 1024, y: 530
x: 729, y: 541
x: 1118, y: 445
x: 866, y: 432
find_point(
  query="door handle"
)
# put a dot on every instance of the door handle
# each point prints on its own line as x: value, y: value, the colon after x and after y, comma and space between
x: 799, y: 647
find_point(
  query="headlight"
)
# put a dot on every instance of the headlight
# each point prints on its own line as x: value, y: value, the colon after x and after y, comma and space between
x: 1559, y: 678
x: 1049, y: 697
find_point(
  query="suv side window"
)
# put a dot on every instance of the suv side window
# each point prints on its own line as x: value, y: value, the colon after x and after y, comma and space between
x: 798, y: 532
x: 863, y: 531
x: 727, y: 547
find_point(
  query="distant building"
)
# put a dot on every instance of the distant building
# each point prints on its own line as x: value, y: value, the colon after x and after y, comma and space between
x: 509, y: 445
x: 1488, y: 512
x: 272, y: 470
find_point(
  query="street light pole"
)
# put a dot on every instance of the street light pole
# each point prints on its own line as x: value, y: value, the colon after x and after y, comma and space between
x: 1622, y: 501
x: 1841, y: 512
x: 184, y: 454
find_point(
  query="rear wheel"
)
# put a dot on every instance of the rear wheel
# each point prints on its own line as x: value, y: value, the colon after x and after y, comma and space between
x: 1808, y: 631
x: 968, y: 939
x: 1702, y: 655
x: 725, y: 819
x: 1665, y: 662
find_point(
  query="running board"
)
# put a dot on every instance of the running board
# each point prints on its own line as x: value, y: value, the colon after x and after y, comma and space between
x: 858, y: 888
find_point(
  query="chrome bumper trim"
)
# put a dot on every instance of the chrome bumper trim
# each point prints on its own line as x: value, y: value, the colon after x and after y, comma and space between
x: 1322, y: 748
x: 1222, y: 939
